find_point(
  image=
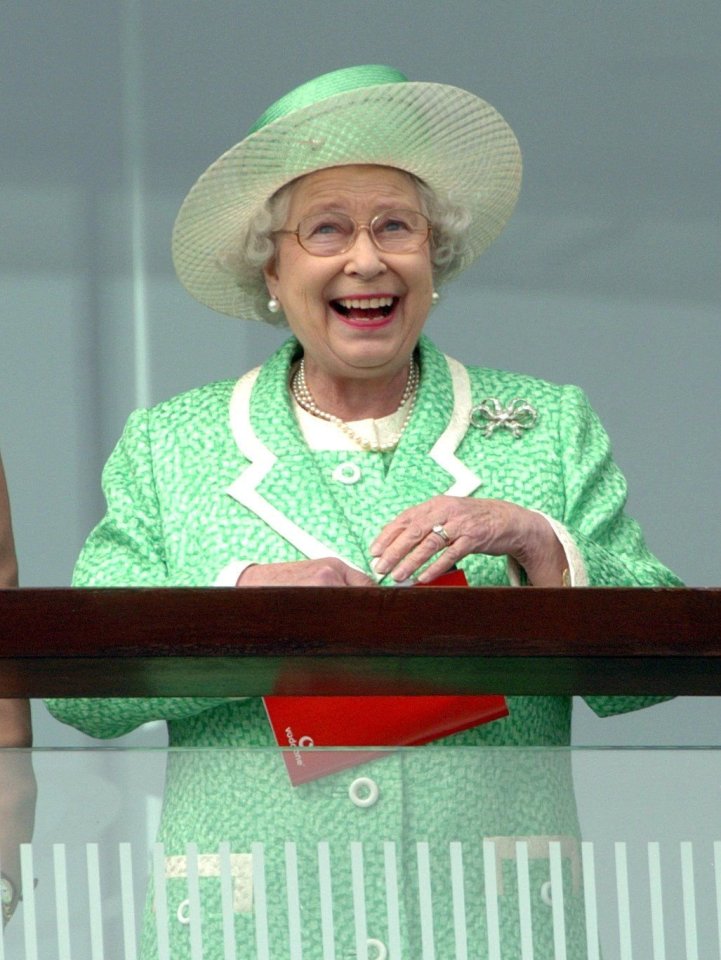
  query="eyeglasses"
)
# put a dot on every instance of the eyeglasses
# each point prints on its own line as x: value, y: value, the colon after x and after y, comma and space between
x: 393, y: 231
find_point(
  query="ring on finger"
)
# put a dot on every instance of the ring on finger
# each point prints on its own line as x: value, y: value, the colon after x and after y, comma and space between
x: 440, y: 531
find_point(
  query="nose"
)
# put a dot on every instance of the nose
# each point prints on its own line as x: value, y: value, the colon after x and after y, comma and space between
x: 364, y: 259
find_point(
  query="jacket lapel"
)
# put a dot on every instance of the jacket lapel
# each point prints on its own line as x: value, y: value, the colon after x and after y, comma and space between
x: 282, y: 481
x: 285, y: 488
x: 425, y: 463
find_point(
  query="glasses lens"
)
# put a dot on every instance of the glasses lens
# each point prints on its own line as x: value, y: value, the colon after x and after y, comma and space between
x: 395, y: 231
x: 325, y: 234
x: 399, y: 231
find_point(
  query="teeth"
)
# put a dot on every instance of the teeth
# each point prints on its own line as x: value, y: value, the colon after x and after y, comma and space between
x: 372, y: 304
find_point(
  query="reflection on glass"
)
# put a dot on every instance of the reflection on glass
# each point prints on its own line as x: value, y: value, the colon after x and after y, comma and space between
x: 452, y: 854
x: 18, y: 793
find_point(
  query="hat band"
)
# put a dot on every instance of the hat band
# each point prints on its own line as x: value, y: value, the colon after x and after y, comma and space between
x: 328, y: 85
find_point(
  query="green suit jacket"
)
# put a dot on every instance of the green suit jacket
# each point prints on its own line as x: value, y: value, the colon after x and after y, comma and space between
x: 222, y: 474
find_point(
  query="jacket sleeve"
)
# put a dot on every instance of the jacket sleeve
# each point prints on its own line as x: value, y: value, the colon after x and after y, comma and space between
x: 105, y: 718
x: 611, y: 543
x: 127, y: 549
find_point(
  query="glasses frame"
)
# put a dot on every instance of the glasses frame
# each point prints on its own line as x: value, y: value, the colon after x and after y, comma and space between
x: 367, y: 225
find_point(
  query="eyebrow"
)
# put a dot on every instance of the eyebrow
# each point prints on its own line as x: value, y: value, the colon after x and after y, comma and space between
x: 381, y: 207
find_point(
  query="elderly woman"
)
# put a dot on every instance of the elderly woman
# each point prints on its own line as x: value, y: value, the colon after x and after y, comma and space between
x: 358, y: 454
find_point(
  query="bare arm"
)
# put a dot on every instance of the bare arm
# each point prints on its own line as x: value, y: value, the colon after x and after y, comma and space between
x: 15, y: 726
x: 8, y: 563
x: 15, y: 729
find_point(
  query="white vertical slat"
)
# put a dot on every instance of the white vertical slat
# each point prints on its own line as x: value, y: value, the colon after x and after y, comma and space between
x: 325, y: 888
x: 128, y: 900
x: 524, y: 900
x: 62, y: 912
x: 359, y: 899
x: 658, y: 936
x: 428, y: 950
x: 2, y: 929
x: 194, y: 910
x: 392, y: 900
x: 95, y: 901
x: 557, y: 900
x: 491, y: 886
x: 160, y: 902
x: 589, y: 900
x: 226, y: 901
x: 27, y: 881
x: 717, y: 875
x: 689, y: 900
x: 293, y: 900
x: 260, y: 901
x: 458, y: 890
x: 623, y: 901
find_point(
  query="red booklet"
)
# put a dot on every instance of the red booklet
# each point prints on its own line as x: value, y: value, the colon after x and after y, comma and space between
x: 301, y: 723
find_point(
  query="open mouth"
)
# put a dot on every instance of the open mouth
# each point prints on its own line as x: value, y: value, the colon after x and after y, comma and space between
x: 366, y: 309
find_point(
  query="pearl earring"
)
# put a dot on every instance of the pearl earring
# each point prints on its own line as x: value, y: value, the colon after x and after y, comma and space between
x: 274, y: 305
x: 435, y: 297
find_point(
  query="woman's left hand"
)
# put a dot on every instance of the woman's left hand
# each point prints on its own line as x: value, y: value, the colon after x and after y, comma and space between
x: 495, y: 527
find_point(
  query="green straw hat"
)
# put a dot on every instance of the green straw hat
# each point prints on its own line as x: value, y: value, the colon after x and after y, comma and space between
x: 449, y: 138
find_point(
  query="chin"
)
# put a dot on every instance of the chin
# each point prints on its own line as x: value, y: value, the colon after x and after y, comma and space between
x: 372, y: 359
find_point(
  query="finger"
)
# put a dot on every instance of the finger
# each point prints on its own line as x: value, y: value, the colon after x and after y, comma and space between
x: 354, y: 578
x: 408, y: 538
x: 431, y: 545
x: 333, y: 572
x: 445, y: 562
x: 405, y: 531
x: 414, y: 522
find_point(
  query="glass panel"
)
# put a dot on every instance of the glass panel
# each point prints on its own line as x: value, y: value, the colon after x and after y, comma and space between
x: 447, y: 853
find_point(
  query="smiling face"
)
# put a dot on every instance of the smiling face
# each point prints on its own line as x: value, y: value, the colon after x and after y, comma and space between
x: 357, y: 314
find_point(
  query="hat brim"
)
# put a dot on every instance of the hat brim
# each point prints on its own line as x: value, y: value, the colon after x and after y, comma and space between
x: 452, y: 140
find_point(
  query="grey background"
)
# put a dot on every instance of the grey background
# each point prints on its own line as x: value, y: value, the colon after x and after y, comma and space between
x: 607, y: 276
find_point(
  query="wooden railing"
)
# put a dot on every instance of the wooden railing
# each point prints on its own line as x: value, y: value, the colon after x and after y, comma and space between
x: 217, y: 642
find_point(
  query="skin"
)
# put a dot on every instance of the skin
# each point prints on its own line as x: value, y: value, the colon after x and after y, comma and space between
x: 353, y: 369
x: 18, y: 796
x: 15, y: 729
x: 8, y: 562
x: 358, y: 370
x: 17, y: 781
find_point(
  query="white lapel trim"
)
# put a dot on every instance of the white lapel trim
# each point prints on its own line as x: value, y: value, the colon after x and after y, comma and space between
x: 444, y: 449
x: 262, y: 460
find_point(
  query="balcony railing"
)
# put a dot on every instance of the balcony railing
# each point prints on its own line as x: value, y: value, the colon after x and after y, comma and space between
x: 504, y: 853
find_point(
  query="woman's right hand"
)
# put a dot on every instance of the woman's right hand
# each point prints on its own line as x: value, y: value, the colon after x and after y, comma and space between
x: 327, y: 572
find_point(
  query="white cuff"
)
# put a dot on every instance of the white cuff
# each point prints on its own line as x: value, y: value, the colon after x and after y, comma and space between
x: 577, y: 575
x: 228, y: 576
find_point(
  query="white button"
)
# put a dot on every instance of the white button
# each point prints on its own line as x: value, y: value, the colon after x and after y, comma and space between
x: 347, y: 473
x: 364, y: 792
x: 381, y: 951
x: 183, y: 912
x: 546, y: 893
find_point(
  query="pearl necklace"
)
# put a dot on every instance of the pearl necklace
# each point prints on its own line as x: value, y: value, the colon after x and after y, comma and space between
x: 304, y: 399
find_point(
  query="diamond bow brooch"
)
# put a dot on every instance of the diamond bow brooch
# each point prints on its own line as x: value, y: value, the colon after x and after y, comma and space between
x: 490, y: 414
